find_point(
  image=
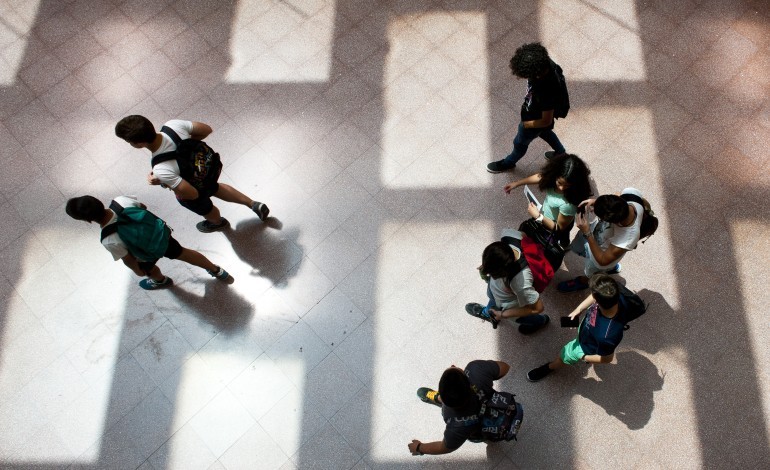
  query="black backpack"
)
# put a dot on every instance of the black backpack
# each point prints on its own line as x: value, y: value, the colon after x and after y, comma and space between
x: 649, y: 221
x: 561, y: 108
x: 633, y: 305
x: 500, y: 416
x: 198, y: 163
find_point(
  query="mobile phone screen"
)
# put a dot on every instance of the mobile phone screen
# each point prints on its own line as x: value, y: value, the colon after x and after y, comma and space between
x: 566, y: 322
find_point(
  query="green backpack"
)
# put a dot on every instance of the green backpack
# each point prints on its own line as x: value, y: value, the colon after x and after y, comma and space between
x: 145, y: 235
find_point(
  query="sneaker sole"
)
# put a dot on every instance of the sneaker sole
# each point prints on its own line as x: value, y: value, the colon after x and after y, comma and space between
x: 203, y: 229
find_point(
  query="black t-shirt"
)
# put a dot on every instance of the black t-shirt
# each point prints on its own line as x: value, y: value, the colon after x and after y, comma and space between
x: 599, y: 334
x: 463, y: 424
x: 541, y: 96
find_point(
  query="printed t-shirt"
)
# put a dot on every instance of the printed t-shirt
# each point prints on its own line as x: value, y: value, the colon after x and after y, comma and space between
x: 541, y: 96
x: 463, y: 424
x: 599, y: 334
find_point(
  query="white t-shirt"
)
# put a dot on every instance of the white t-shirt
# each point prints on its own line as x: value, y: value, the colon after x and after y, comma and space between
x: 626, y: 238
x: 521, y: 290
x: 168, y: 172
x: 112, y: 242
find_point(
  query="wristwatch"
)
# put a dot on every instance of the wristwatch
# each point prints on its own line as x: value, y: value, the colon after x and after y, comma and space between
x: 540, y: 218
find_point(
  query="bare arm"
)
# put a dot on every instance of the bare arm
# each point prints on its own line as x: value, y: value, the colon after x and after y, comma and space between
x: 530, y: 309
x: 602, y: 257
x: 504, y: 368
x: 431, y: 448
x: 200, y: 130
x: 562, y: 220
x: 534, y: 179
x: 583, y: 305
x: 545, y: 120
x: 186, y: 191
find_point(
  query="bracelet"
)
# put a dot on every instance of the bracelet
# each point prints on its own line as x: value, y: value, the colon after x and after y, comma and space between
x: 539, y: 218
x: 586, y: 235
x: 417, y: 449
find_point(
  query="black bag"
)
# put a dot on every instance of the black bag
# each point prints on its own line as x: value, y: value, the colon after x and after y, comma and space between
x: 554, y: 242
x: 500, y: 416
x: 198, y: 163
x: 649, y: 221
x: 561, y: 108
x: 633, y: 305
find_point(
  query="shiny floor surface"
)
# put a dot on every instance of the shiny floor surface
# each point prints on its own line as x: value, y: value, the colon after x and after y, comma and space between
x: 366, y: 127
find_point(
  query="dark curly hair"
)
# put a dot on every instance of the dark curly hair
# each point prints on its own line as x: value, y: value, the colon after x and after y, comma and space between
x: 530, y: 60
x: 574, y: 171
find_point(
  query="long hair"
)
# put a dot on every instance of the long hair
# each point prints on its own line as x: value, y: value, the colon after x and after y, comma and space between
x: 574, y: 171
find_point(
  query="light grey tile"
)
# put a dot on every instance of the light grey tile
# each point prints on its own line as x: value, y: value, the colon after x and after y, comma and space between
x: 184, y: 450
x: 332, y: 386
x: 327, y: 449
x: 261, y: 386
x: 163, y: 352
x: 334, y: 318
x: 222, y: 422
x: 298, y: 351
x: 255, y: 449
x: 292, y: 409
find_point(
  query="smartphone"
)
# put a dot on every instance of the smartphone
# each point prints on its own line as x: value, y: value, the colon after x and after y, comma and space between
x: 567, y: 322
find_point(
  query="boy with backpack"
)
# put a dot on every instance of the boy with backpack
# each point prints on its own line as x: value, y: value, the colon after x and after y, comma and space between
x: 516, y: 271
x: 183, y: 163
x: 608, y: 308
x: 471, y: 408
x: 136, y: 236
x: 621, y: 220
x: 546, y: 99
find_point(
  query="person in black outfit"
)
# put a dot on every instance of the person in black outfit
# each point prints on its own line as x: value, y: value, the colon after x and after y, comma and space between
x: 459, y: 404
x: 531, y: 61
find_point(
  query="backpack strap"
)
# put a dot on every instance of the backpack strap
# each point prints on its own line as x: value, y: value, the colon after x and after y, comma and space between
x: 521, y: 263
x: 633, y: 198
x: 112, y: 228
x: 172, y: 134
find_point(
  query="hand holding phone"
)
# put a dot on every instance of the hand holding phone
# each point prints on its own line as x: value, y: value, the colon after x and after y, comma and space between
x: 567, y: 322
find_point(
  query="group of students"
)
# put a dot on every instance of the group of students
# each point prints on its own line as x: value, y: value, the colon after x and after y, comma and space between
x: 182, y: 163
x: 519, y: 267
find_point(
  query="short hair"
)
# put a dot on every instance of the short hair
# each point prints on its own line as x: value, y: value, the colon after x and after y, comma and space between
x: 86, y: 208
x: 611, y: 208
x: 135, y: 129
x: 574, y: 171
x: 604, y: 290
x: 498, y: 260
x: 454, y: 388
x: 530, y: 60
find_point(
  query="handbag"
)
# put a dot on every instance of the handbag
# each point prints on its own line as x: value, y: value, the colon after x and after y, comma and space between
x: 549, y: 239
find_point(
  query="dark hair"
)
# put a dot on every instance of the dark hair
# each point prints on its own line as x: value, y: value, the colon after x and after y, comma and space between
x: 454, y: 388
x: 135, y: 129
x: 86, y: 208
x: 604, y: 290
x: 611, y: 208
x: 530, y: 60
x: 498, y: 260
x: 574, y: 171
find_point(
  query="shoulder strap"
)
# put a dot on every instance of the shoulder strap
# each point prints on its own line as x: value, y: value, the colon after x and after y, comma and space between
x: 521, y: 263
x: 163, y: 157
x: 171, y: 133
x: 115, y: 207
x: 109, y: 230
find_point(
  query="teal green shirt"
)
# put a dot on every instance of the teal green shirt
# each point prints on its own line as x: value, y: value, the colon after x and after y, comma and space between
x: 555, y: 204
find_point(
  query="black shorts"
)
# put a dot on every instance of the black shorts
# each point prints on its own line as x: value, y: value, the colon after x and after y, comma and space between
x: 173, y: 251
x: 202, y: 205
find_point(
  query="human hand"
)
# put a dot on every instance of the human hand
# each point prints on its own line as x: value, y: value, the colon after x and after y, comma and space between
x: 510, y: 187
x: 152, y: 180
x: 532, y: 210
x: 581, y: 222
x: 574, y: 314
x: 496, y: 314
x: 413, y: 446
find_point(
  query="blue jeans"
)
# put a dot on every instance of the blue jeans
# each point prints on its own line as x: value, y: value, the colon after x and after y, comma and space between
x: 534, y: 320
x: 524, y: 137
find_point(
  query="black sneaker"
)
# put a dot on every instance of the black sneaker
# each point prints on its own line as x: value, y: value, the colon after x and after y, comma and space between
x: 550, y: 154
x: 536, y: 374
x: 208, y: 227
x: 428, y: 395
x: 260, y: 209
x: 499, y: 167
x: 529, y: 329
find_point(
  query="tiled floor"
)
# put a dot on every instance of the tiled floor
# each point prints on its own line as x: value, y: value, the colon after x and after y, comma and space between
x: 366, y: 127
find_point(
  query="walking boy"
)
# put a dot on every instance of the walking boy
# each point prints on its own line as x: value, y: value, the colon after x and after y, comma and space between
x: 140, y: 133
x: 460, y: 394
x: 510, y: 290
x: 139, y: 256
x: 605, y: 241
x: 599, y: 333
x: 544, y: 93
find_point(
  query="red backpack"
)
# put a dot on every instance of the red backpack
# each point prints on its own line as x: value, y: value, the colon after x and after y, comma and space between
x: 534, y: 257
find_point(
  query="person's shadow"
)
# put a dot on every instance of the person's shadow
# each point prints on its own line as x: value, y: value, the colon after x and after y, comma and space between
x: 220, y: 306
x: 271, y: 252
x: 624, y: 390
